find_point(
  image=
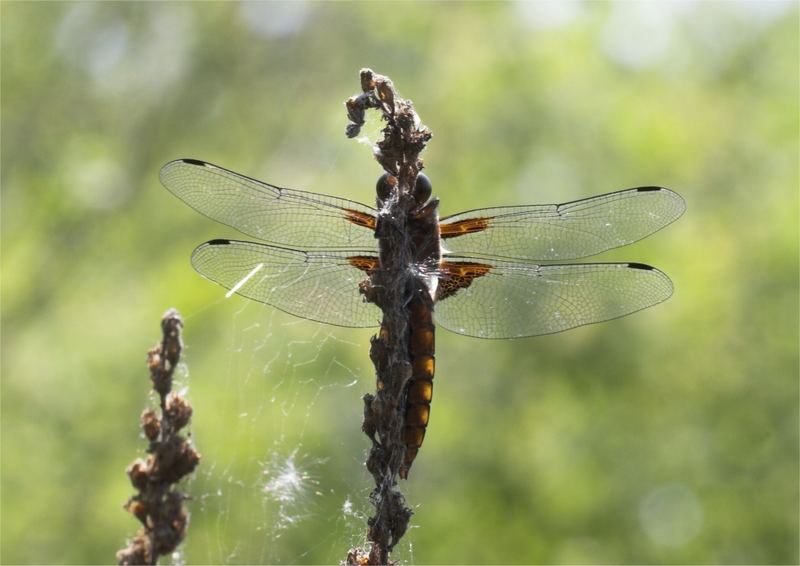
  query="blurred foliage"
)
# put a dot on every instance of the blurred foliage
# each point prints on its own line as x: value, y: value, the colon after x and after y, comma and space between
x: 670, y: 436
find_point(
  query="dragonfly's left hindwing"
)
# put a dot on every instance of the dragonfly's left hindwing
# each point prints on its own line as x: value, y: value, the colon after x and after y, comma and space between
x: 504, y: 299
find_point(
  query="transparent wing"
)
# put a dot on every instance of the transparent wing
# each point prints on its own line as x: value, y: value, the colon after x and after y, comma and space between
x: 513, y: 300
x: 320, y: 286
x: 284, y: 216
x: 557, y: 232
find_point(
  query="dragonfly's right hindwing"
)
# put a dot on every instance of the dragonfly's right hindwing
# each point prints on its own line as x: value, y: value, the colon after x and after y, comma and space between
x: 321, y: 286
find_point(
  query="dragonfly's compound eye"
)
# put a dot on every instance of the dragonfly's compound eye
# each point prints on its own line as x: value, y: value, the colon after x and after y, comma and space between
x: 422, y: 189
x: 385, y: 185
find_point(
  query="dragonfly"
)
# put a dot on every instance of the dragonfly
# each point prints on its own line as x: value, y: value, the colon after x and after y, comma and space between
x: 495, y: 273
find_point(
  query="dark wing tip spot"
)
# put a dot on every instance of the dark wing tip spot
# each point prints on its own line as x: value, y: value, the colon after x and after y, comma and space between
x: 641, y: 266
x: 649, y: 189
x: 218, y: 242
x: 193, y: 162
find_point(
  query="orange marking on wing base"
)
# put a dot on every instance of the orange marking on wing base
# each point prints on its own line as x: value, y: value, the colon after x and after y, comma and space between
x: 365, y: 263
x: 458, y: 275
x: 360, y: 218
x: 461, y: 227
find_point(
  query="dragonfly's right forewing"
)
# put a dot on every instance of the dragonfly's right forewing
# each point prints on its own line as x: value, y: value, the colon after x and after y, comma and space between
x: 283, y: 216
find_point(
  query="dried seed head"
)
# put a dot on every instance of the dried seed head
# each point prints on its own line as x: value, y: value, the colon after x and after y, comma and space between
x: 178, y: 411
x: 137, y: 508
x: 151, y: 424
x: 139, y: 473
x: 137, y: 553
x: 174, y: 459
x: 154, y: 358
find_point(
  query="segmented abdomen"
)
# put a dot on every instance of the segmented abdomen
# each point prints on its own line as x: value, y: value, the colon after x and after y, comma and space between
x: 420, y: 386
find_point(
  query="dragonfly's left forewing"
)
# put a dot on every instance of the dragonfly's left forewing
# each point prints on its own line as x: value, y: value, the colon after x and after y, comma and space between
x: 498, y: 299
x: 560, y: 232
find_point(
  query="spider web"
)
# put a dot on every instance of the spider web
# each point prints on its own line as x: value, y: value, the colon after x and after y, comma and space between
x: 282, y: 480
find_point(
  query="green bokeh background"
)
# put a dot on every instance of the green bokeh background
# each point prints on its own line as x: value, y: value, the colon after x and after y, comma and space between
x: 667, y: 437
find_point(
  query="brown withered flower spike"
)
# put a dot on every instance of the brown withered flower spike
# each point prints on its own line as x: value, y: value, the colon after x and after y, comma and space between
x: 159, y: 505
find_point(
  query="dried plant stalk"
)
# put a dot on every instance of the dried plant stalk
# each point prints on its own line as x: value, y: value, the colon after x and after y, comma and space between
x: 384, y: 412
x: 158, y: 504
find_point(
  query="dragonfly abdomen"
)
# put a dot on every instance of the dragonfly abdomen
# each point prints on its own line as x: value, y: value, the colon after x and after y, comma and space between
x: 419, y: 390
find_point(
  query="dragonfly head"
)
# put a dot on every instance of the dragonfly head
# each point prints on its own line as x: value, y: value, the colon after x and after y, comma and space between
x: 421, y: 192
x: 422, y: 189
